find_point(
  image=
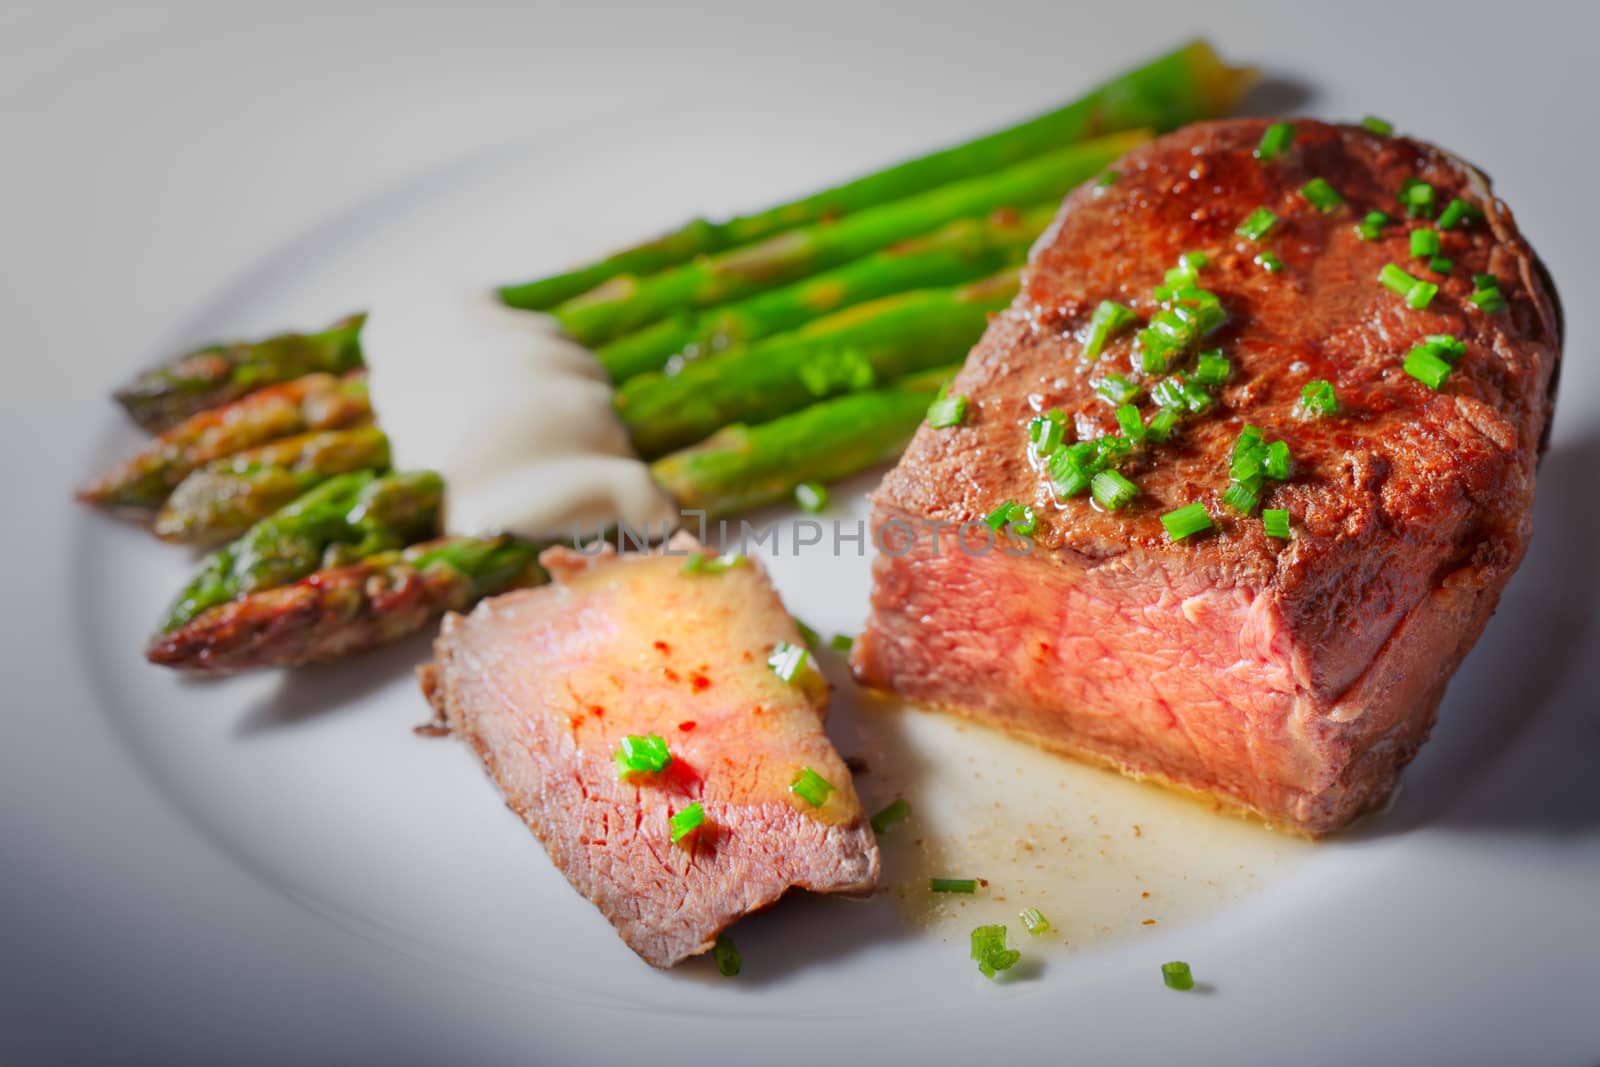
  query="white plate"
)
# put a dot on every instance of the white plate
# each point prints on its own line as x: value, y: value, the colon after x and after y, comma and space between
x: 1459, y: 925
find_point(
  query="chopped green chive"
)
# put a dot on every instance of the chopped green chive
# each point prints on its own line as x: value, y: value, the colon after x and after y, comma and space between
x: 1108, y: 178
x: 990, y: 952
x: 705, y: 563
x: 1489, y: 301
x: 1109, y: 319
x: 1240, y: 498
x: 952, y: 885
x: 1257, y: 224
x: 1196, y: 399
x: 1418, y: 198
x: 1112, y: 491
x: 1250, y: 438
x: 1035, y: 922
x: 1117, y: 389
x: 1381, y: 127
x: 787, y: 661
x: 1418, y: 293
x: 726, y: 956
x: 811, y: 496
x: 1279, y: 461
x: 1177, y: 975
x: 1323, y: 197
x: 1168, y: 393
x: 1424, y: 243
x: 1269, y: 262
x: 1132, y: 424
x: 1457, y: 211
x: 1186, y: 521
x: 1045, y: 432
x: 1394, y: 278
x: 811, y: 787
x: 1445, y: 346
x: 687, y: 821
x: 1021, y: 519
x: 1213, y: 368
x: 1371, y: 227
x: 1275, y: 141
x: 997, y: 518
x: 1427, y: 367
x: 642, y: 755
x: 841, y: 642
x: 1161, y: 424
x: 1486, y: 294
x: 1318, y: 399
x: 1276, y: 522
x: 895, y: 811
x: 1421, y: 295
x: 1441, y: 264
x: 947, y: 411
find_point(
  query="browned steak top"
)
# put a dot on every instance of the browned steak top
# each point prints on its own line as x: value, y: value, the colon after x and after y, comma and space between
x: 1404, y: 489
x: 1395, y: 463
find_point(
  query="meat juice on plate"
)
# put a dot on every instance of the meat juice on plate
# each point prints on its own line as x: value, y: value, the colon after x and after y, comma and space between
x: 1102, y: 857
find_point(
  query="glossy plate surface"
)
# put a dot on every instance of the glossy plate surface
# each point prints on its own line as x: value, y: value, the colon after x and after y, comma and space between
x: 278, y: 864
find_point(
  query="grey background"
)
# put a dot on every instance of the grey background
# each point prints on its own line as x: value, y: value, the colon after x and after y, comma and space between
x: 123, y: 936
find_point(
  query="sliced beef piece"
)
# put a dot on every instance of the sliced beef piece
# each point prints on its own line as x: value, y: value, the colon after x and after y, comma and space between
x: 544, y: 684
x: 1290, y: 679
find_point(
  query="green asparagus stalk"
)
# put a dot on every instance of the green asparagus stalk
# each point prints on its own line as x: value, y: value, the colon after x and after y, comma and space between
x: 224, y: 498
x: 743, y: 467
x: 850, y: 351
x: 1182, y: 86
x: 164, y: 396
x: 347, y: 610
x: 626, y: 303
x: 315, y: 402
x: 963, y: 250
x: 343, y: 520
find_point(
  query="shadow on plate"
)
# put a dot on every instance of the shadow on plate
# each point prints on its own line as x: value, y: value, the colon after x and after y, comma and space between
x: 313, y: 692
x: 1517, y: 740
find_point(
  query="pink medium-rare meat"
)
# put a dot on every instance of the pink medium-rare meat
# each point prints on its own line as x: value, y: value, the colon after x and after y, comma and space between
x: 1293, y: 679
x: 545, y: 683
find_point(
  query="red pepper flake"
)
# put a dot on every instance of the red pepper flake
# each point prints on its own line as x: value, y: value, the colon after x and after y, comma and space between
x: 598, y: 712
x: 700, y: 682
x: 670, y: 674
x: 686, y: 726
x: 663, y: 647
x: 1148, y: 922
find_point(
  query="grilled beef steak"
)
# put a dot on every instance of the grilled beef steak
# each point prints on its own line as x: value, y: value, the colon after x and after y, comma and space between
x: 1290, y: 678
x: 546, y: 683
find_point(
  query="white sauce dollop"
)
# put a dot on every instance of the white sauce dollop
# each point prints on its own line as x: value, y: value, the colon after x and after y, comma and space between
x: 514, y: 414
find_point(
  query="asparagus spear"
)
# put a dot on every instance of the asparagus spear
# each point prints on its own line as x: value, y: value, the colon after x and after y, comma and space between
x: 850, y: 351
x: 961, y: 251
x: 345, y: 519
x: 1184, y: 85
x: 347, y: 610
x: 627, y: 303
x: 315, y: 402
x: 743, y: 467
x: 221, y: 500
x: 164, y: 396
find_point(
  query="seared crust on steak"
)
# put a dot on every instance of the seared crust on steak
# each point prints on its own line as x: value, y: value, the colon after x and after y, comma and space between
x: 1302, y: 674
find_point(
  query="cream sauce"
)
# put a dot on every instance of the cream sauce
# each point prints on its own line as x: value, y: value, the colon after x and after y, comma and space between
x: 514, y: 414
